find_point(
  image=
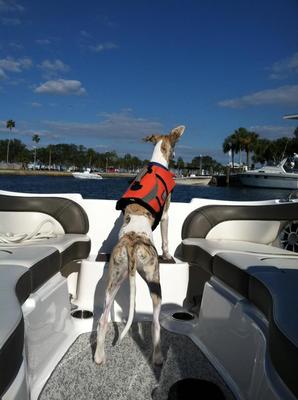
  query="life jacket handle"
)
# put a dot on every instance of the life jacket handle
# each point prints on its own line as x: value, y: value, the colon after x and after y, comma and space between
x: 137, y: 185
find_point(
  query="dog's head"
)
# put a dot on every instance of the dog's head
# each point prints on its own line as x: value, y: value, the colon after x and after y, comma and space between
x: 168, y: 142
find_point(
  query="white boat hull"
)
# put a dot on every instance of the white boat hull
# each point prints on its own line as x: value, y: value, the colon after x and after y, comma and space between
x: 269, y: 181
x: 83, y: 175
x: 194, y: 180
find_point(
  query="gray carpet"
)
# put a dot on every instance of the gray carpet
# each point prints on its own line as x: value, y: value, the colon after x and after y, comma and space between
x: 128, y: 372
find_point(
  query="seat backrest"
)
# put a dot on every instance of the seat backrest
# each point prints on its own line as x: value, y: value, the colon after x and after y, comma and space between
x: 200, y: 221
x: 70, y: 215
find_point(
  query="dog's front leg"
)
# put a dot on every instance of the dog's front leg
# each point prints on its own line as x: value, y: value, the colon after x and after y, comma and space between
x: 164, y: 223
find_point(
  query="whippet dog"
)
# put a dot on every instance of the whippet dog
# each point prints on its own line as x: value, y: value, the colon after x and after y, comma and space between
x: 135, y: 250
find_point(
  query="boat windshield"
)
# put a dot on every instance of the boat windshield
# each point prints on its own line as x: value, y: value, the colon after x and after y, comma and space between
x: 291, y: 164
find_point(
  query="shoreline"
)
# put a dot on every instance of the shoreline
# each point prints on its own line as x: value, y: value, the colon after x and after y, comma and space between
x: 24, y: 172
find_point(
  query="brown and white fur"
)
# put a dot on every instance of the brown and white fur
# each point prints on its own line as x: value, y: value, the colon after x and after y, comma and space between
x: 135, y: 251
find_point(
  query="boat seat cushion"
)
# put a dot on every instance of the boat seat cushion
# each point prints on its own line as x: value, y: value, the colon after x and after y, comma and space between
x: 71, y: 246
x: 201, y: 251
x: 15, y: 287
x: 42, y: 262
x: 202, y: 220
x: 270, y: 283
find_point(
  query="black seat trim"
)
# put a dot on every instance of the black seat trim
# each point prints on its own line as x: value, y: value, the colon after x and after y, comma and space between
x: 232, y: 275
x: 11, y: 351
x: 44, y: 269
x: 77, y: 251
x: 193, y: 253
x: 11, y: 357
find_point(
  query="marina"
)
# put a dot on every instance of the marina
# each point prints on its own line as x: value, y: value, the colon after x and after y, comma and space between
x: 148, y: 200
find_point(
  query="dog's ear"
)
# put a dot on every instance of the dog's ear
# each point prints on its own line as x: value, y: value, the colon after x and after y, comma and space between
x: 176, y: 133
x: 152, y: 138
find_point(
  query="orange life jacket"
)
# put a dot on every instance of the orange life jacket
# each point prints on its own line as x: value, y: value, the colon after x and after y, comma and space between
x: 150, y: 189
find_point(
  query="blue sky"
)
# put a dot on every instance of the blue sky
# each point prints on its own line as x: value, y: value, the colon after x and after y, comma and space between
x: 106, y: 73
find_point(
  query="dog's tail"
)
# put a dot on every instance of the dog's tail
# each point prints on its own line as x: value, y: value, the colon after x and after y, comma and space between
x: 132, y: 286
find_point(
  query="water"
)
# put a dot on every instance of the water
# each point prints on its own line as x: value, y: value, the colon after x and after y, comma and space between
x: 113, y: 188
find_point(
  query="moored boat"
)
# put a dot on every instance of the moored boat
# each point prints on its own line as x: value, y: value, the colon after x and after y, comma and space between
x: 87, y: 174
x: 193, y: 180
x: 283, y: 176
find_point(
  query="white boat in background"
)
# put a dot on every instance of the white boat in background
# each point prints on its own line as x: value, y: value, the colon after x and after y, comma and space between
x: 282, y: 176
x: 201, y: 180
x: 87, y: 175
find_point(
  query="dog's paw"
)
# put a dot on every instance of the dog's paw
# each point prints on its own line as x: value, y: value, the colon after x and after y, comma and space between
x: 166, y: 256
x: 157, y: 359
x: 99, y: 357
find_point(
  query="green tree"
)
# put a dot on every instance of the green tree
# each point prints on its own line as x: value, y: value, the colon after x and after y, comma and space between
x: 91, y: 155
x: 231, y: 144
x: 249, y: 140
x: 180, y: 163
x: 9, y: 125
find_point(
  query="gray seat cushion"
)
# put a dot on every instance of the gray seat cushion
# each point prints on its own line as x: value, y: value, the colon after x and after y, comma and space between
x: 201, y: 251
x: 275, y: 293
x: 270, y: 283
x: 15, y: 287
x: 71, y: 246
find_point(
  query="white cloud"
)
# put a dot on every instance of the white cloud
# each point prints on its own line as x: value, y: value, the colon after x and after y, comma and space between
x: 35, y: 104
x: 10, y: 21
x: 2, y: 74
x: 282, y: 95
x: 61, y: 87
x: 16, y: 45
x: 10, y: 5
x: 121, y: 126
x: 272, y: 131
x: 52, y: 68
x: 10, y: 64
x: 43, y: 41
x: 85, y: 34
x: 284, y: 68
x: 102, y: 46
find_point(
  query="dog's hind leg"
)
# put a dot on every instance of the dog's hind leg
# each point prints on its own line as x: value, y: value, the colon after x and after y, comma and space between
x: 117, y: 274
x: 150, y: 273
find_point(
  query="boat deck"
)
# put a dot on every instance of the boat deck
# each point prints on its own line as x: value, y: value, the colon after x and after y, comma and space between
x: 128, y: 372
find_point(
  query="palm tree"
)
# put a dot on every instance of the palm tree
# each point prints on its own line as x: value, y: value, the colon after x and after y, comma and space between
x: 249, y: 144
x: 240, y: 135
x: 36, y: 139
x: 247, y: 141
x: 91, y: 154
x: 9, y: 125
x: 231, y: 144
